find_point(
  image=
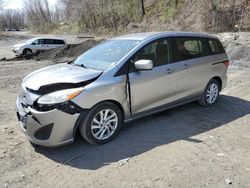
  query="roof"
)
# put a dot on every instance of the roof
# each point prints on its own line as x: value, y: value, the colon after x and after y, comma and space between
x: 143, y: 36
x: 56, y: 38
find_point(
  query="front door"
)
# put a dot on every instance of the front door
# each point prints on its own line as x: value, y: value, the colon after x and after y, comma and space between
x: 153, y: 88
x: 39, y: 45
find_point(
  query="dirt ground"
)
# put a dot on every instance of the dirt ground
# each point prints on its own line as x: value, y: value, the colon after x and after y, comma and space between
x: 188, y: 146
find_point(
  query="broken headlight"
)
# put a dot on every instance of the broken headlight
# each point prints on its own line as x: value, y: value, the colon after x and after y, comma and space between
x: 60, y: 96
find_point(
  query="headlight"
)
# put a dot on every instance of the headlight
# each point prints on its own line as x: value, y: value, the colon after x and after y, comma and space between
x: 60, y: 96
x: 17, y: 48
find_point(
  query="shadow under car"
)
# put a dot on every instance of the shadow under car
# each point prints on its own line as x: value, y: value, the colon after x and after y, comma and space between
x: 145, y: 134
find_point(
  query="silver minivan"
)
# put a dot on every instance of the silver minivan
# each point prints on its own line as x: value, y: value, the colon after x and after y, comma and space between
x: 117, y: 81
x: 34, y: 45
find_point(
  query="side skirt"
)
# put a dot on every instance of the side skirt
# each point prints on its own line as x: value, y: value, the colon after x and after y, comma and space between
x: 161, y: 108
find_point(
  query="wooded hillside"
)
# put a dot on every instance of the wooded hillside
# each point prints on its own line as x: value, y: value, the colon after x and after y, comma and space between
x: 119, y: 16
x: 148, y: 15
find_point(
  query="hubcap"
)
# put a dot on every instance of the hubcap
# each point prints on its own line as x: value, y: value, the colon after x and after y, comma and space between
x: 104, y: 124
x: 212, y: 93
x: 28, y: 52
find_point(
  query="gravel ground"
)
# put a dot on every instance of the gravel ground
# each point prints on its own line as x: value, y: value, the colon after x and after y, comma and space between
x: 188, y: 146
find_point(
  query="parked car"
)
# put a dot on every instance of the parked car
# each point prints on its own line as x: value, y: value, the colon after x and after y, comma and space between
x: 12, y: 29
x: 38, y: 44
x: 117, y: 81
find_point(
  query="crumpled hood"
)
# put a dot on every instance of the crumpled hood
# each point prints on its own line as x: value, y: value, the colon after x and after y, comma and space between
x: 59, y: 74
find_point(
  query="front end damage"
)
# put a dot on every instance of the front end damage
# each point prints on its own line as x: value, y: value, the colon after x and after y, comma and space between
x: 47, y: 128
x: 48, y: 124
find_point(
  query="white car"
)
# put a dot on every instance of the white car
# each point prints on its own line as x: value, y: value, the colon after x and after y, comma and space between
x: 38, y: 44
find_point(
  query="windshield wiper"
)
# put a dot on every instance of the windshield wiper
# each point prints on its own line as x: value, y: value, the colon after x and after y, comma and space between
x: 80, y: 65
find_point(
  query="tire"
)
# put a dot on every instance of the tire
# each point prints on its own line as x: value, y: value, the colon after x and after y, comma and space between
x: 95, y: 127
x: 213, y: 87
x: 33, y: 145
x: 27, y: 52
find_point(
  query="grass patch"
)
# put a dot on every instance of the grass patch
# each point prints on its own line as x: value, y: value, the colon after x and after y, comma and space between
x: 171, y: 9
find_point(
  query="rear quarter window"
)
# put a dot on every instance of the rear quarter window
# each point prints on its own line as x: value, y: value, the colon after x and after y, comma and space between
x: 60, y: 42
x: 215, y: 47
x: 193, y: 47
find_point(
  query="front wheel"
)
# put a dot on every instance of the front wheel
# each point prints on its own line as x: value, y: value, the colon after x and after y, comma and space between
x: 211, y: 93
x: 27, y: 52
x: 102, y: 123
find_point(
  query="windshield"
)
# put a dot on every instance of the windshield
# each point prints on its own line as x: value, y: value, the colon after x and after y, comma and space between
x: 106, y: 54
x: 30, y: 41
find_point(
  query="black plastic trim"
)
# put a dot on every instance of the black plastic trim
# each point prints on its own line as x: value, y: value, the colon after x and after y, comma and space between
x: 220, y: 62
x: 43, y: 90
x: 44, y: 132
x: 164, y: 107
x: 79, y: 121
x: 68, y: 107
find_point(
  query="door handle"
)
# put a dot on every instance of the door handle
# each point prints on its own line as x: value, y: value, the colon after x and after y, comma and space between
x: 170, y: 71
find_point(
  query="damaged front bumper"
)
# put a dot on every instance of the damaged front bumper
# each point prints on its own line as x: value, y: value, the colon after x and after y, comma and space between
x: 17, y: 52
x: 46, y: 128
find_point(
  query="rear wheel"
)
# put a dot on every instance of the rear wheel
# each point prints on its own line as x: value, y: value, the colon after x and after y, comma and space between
x: 211, y: 93
x: 102, y: 123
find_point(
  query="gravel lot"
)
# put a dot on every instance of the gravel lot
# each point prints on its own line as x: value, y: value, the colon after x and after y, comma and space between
x: 188, y: 146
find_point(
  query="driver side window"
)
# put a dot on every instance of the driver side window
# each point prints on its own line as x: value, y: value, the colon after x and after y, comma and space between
x: 41, y: 41
x: 35, y: 42
x: 147, y: 52
x: 157, y: 51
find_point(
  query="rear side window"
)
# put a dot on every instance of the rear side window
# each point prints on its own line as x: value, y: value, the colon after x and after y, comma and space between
x: 58, y: 41
x: 49, y: 41
x: 53, y: 41
x: 187, y: 48
x: 215, y: 47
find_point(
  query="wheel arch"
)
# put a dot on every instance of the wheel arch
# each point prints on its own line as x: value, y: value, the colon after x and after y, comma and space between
x: 219, y: 80
x: 83, y: 114
x: 25, y: 49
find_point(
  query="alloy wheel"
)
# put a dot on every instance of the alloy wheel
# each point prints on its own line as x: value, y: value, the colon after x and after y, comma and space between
x: 212, y: 93
x: 104, y: 124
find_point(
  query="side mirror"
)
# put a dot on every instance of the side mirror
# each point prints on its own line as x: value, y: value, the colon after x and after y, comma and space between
x: 144, y: 64
x: 33, y: 43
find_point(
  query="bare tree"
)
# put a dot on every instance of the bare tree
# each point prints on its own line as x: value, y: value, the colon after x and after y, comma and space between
x: 38, y: 15
x: 10, y: 18
x: 114, y: 15
x: 88, y: 15
x: 1, y: 4
x: 1, y: 19
x: 142, y: 7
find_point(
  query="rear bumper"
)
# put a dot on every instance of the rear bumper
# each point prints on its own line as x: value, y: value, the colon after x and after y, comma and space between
x: 50, y: 128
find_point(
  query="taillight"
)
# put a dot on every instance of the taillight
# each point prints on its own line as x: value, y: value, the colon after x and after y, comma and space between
x: 226, y: 63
